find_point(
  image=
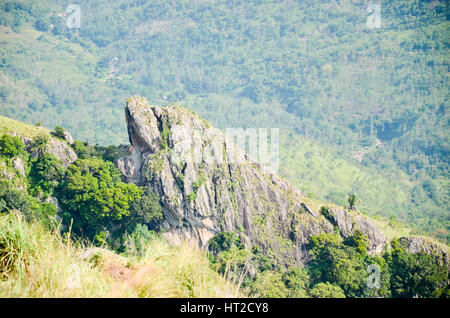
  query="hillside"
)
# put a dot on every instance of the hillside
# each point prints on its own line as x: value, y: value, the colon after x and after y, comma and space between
x: 373, y: 102
x: 38, y: 263
x: 265, y: 237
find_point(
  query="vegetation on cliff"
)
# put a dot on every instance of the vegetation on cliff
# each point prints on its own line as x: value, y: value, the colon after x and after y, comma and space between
x: 51, y: 215
x: 358, y: 106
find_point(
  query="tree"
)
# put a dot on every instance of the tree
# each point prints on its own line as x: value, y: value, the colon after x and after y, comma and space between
x: 223, y: 241
x: 40, y: 141
x: 94, y: 196
x: 352, y: 200
x: 59, y: 132
x: 416, y: 275
x: 41, y: 25
x: 296, y: 280
x: 145, y: 210
x: 338, y: 264
x: 45, y: 174
x: 358, y: 240
x: 326, y: 290
x: 269, y: 284
x: 11, y: 146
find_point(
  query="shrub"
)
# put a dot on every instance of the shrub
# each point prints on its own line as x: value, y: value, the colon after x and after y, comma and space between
x: 145, y: 210
x: 269, y: 284
x: 59, y: 132
x: 359, y: 241
x: 45, y: 174
x: 416, y: 275
x: 296, y: 280
x: 326, y: 290
x: 223, y: 241
x: 40, y: 141
x: 11, y: 146
x: 139, y: 239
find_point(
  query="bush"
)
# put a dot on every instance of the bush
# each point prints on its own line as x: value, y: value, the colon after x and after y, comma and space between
x: 40, y: 141
x: 59, y: 132
x: 145, y: 210
x: 326, y: 290
x: 359, y: 241
x: 338, y: 264
x: 139, y: 239
x: 84, y: 150
x: 15, y: 200
x: 41, y: 25
x: 416, y: 275
x: 45, y: 174
x: 296, y: 280
x: 223, y: 241
x: 269, y: 284
x: 11, y: 146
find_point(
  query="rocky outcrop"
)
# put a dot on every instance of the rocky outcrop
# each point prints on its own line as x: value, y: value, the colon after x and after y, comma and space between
x: 207, y: 185
x: 61, y: 150
x: 418, y: 244
x: 58, y: 148
x: 19, y: 166
x: 349, y: 222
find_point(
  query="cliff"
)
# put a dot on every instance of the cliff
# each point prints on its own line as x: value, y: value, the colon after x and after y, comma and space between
x: 207, y: 185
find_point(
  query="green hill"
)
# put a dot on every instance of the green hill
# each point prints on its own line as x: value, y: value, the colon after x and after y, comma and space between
x: 312, y: 68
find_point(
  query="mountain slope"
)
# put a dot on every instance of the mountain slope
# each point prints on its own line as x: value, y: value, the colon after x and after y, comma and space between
x: 312, y: 68
x: 268, y: 237
x: 208, y: 186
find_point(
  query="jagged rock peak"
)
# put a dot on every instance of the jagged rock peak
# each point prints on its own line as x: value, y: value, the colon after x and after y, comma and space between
x: 208, y: 185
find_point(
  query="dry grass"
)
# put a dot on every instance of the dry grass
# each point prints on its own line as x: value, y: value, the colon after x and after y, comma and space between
x: 8, y: 125
x: 35, y: 262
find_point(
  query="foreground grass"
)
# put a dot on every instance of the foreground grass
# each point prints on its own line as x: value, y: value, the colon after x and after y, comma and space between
x: 35, y: 262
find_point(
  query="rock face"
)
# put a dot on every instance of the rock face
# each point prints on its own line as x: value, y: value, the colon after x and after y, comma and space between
x: 348, y: 223
x: 56, y: 147
x: 207, y: 185
x: 417, y: 244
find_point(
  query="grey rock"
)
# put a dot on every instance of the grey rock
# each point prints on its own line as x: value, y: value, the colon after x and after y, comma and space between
x: 349, y: 222
x: 19, y: 166
x: 59, y: 149
x: 418, y: 244
x: 68, y: 137
x: 207, y: 186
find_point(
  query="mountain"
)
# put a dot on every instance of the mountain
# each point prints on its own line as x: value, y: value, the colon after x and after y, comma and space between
x: 370, y: 102
x: 182, y: 181
x: 208, y: 185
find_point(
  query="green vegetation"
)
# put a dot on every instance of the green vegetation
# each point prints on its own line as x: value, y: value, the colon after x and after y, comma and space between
x: 58, y: 132
x: 11, y: 146
x: 93, y: 193
x: 373, y: 100
x: 338, y: 268
x: 362, y: 111
x: 97, y: 208
x: 351, y: 201
x: 326, y: 290
x: 36, y: 262
x: 417, y: 275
